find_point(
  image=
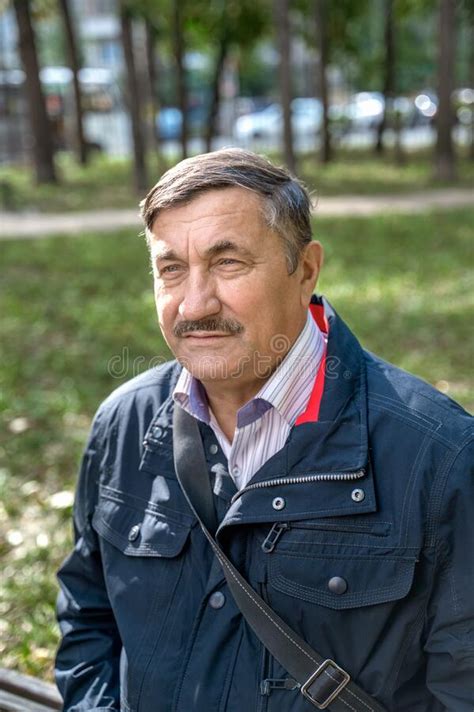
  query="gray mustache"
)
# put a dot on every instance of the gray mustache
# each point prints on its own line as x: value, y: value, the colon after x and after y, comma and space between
x: 227, y: 326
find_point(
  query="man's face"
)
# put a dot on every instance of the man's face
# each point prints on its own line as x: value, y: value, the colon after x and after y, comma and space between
x: 226, y: 304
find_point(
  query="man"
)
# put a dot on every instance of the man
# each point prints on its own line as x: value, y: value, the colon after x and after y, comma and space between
x: 340, y: 483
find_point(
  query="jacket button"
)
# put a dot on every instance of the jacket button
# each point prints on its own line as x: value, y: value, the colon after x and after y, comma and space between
x: 134, y: 532
x: 278, y: 503
x: 213, y: 449
x: 337, y: 584
x: 217, y: 600
x: 358, y: 495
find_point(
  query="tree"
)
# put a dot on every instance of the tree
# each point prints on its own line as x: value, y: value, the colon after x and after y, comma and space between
x: 388, y: 71
x: 281, y: 9
x: 444, y: 154
x: 323, y: 43
x: 178, y: 50
x: 134, y: 101
x: 151, y: 44
x: 73, y: 57
x: 43, y: 151
x: 235, y: 26
x: 222, y: 50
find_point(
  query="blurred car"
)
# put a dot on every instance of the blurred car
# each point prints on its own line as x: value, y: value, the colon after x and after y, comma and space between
x: 364, y: 110
x: 426, y: 106
x: 169, y: 121
x: 306, y: 119
x: 463, y: 101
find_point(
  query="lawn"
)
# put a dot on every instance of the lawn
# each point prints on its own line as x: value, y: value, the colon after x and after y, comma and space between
x: 78, y: 318
x: 107, y: 183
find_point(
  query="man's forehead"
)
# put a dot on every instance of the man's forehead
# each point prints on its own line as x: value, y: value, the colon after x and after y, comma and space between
x: 231, y: 204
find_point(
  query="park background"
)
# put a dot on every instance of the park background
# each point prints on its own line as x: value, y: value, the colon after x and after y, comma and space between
x: 370, y: 102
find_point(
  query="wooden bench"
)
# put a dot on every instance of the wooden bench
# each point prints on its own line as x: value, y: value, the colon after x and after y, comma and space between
x: 23, y: 693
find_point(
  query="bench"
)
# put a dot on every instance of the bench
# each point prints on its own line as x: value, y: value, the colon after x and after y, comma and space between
x: 24, y: 693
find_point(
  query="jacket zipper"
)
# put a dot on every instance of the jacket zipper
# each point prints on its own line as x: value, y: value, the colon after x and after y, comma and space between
x: 302, y: 479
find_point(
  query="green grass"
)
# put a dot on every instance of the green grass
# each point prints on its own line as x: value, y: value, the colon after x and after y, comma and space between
x: 362, y: 173
x: 107, y: 183
x: 78, y: 318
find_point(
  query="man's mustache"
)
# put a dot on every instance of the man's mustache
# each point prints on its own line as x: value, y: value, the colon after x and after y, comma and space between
x: 226, y: 326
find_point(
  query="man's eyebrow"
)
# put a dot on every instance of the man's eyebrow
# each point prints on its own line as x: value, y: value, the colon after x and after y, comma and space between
x: 226, y: 246
x: 165, y: 254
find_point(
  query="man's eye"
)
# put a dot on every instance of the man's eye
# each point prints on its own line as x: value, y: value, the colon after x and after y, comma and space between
x: 169, y: 269
x: 229, y: 261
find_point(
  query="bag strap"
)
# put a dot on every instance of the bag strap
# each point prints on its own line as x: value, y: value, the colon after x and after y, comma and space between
x: 321, y: 680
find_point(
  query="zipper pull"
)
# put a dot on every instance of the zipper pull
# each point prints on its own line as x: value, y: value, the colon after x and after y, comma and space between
x: 273, y: 535
x: 287, y: 683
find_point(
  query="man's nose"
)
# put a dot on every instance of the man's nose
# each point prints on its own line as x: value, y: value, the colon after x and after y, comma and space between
x: 200, y: 299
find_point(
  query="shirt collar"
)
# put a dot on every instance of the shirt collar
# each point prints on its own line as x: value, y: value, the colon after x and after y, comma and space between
x: 287, y: 390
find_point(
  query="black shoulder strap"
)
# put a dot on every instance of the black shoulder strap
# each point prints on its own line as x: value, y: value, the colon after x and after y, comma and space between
x: 321, y: 681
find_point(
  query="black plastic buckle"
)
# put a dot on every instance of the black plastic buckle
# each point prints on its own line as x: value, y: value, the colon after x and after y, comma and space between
x: 335, y: 680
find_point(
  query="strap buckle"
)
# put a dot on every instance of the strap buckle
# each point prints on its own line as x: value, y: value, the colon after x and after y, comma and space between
x: 325, y: 684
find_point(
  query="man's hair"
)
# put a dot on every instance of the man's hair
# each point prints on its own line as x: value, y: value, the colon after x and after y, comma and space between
x: 286, y: 205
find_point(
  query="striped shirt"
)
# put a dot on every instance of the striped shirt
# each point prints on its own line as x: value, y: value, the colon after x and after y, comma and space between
x: 264, y: 423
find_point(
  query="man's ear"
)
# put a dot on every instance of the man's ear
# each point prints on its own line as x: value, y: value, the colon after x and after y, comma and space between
x: 311, y: 263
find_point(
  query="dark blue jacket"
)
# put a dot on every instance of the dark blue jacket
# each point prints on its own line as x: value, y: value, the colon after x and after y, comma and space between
x: 378, y: 492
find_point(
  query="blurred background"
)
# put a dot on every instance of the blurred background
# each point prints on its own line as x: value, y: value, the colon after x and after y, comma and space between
x: 370, y: 102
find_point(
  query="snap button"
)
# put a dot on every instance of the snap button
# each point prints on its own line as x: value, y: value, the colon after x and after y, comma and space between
x: 358, y: 495
x: 337, y: 584
x: 217, y: 600
x: 134, y: 532
x: 213, y: 449
x: 278, y: 503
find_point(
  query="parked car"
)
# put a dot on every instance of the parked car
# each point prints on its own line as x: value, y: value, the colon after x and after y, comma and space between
x: 364, y: 110
x: 306, y: 116
x: 426, y: 106
x: 169, y: 121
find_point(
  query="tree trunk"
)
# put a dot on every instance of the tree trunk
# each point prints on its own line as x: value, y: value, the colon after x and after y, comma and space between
x: 323, y: 43
x: 43, y: 150
x: 178, y: 46
x: 471, y: 84
x: 151, y: 42
x: 389, y: 73
x: 445, y: 169
x: 74, y: 64
x: 281, y: 8
x: 134, y: 103
x: 216, y: 84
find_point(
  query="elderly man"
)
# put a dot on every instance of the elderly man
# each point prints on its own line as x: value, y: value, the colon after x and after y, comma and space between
x: 277, y: 520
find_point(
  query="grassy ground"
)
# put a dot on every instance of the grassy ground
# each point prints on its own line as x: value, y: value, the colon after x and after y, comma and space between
x: 106, y: 183
x: 78, y: 318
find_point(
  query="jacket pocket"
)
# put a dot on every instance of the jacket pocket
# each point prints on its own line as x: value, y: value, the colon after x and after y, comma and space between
x: 140, y: 528
x: 342, y: 582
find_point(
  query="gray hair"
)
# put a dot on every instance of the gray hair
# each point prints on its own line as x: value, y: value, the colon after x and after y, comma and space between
x: 286, y: 204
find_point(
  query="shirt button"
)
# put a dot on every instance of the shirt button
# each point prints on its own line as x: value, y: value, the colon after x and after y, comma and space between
x: 337, y: 585
x: 235, y: 471
x: 213, y: 449
x: 134, y: 532
x: 217, y: 600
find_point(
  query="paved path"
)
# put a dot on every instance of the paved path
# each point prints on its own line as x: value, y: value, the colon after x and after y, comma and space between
x: 31, y: 225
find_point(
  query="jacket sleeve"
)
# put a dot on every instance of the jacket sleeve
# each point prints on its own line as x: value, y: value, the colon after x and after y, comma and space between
x: 450, y: 641
x: 87, y: 662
